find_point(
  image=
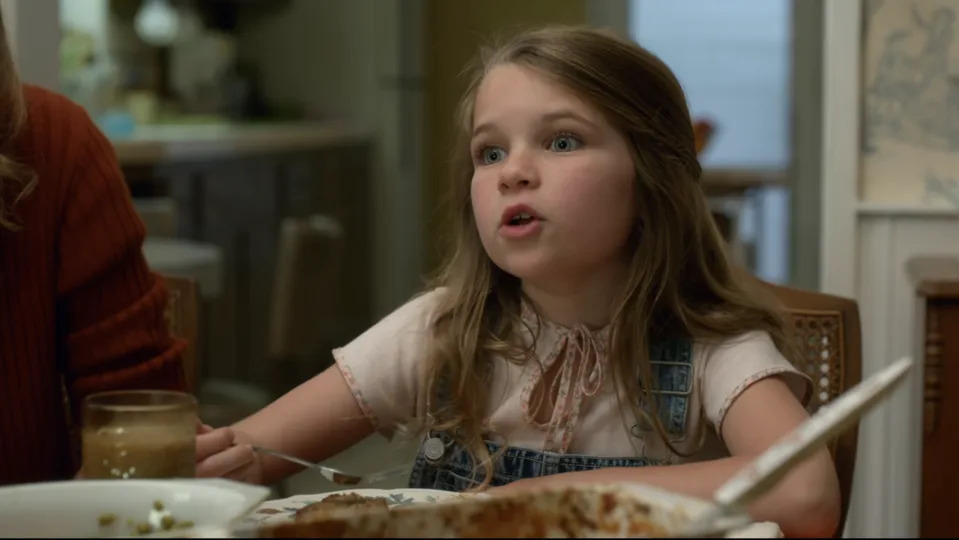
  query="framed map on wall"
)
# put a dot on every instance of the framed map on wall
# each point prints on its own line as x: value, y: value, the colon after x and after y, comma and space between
x: 910, y: 116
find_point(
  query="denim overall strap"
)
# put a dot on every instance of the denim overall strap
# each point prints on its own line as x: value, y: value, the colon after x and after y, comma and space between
x: 455, y: 472
x: 671, y: 364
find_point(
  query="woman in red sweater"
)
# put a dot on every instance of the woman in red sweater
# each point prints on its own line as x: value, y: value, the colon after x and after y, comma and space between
x: 77, y: 301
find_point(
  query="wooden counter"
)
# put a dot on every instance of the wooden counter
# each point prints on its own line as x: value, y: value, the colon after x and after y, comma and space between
x: 184, y: 143
x: 936, y: 281
x: 232, y: 186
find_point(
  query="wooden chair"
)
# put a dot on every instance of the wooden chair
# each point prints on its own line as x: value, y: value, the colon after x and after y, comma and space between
x: 828, y: 347
x: 306, y: 300
x: 182, y: 318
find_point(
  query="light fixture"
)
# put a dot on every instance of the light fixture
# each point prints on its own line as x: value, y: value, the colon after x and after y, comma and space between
x: 157, y: 23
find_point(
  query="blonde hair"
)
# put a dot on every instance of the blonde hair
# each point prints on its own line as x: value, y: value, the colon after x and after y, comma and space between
x: 17, y: 180
x: 680, y: 283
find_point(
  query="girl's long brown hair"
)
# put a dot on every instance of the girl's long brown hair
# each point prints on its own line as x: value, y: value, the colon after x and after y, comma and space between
x: 16, y: 178
x: 681, y: 283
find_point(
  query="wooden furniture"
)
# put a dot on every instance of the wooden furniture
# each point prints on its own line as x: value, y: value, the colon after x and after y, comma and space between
x: 232, y: 189
x: 936, y: 281
x: 307, y: 300
x: 182, y: 318
x: 828, y: 347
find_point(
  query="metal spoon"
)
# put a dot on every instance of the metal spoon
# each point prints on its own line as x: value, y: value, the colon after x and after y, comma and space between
x: 335, y: 475
x: 766, y: 470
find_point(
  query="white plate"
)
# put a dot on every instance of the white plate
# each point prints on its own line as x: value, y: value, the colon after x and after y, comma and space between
x: 71, y: 509
x: 281, y: 510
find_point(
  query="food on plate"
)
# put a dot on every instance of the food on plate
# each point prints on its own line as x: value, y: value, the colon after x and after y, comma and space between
x: 338, y: 501
x: 158, y: 519
x: 564, y: 513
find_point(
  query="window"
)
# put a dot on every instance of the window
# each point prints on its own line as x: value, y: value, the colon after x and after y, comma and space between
x: 733, y: 60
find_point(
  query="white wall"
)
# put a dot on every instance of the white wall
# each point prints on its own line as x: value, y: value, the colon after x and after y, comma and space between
x: 887, y: 486
x: 865, y: 247
x: 320, y: 54
x: 8, y: 8
x: 34, y: 28
x: 358, y: 61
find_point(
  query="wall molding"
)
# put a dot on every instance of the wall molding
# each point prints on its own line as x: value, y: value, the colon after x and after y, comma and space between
x: 866, y: 208
x: 887, y: 485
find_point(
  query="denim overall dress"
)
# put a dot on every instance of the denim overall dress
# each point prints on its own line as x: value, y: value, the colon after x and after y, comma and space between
x: 671, y: 366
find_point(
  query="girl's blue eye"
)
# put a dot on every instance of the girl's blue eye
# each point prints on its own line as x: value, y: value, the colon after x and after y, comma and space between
x: 564, y: 143
x: 492, y: 155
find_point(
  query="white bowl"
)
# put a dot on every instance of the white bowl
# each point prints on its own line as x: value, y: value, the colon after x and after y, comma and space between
x: 73, y: 508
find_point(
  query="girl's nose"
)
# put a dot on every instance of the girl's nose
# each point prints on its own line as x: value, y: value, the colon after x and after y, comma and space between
x: 518, y: 172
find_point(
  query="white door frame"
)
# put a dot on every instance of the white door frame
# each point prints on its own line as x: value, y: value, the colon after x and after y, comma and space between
x: 838, y: 248
x: 842, y: 41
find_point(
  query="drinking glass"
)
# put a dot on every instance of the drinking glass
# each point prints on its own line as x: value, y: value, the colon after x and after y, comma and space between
x: 139, y: 434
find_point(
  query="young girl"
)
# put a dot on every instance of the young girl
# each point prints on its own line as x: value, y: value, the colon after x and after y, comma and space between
x: 588, y: 326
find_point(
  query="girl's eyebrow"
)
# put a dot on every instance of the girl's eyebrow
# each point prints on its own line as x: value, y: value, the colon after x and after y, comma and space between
x: 561, y: 114
x: 483, y: 128
x: 567, y: 114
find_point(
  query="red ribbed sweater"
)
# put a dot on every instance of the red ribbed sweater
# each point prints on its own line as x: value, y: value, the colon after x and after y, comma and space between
x: 76, y: 296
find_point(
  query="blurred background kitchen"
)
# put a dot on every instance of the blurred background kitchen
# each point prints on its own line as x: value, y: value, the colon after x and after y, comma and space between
x: 290, y: 156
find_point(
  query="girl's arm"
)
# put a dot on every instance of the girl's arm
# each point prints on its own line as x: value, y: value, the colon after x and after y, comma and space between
x: 805, y: 503
x: 315, y: 421
x: 373, y: 385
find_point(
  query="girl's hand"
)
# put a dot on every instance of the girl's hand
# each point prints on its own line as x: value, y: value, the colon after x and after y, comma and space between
x: 220, y: 455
